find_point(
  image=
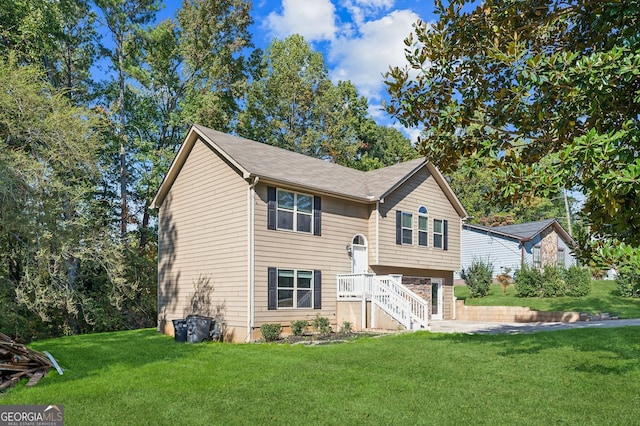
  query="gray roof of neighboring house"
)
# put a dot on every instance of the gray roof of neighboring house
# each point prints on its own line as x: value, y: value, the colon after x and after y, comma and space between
x: 270, y: 163
x: 524, y: 231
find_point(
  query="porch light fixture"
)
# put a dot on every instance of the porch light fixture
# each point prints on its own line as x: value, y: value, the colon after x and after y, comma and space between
x: 349, y: 250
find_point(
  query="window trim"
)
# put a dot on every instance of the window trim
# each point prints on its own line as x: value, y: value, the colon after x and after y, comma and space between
x: 273, y: 287
x: 423, y: 212
x: 295, y: 212
x: 561, y: 261
x: 441, y: 234
x: 295, y: 289
x: 536, y: 260
x: 404, y: 228
x: 273, y: 209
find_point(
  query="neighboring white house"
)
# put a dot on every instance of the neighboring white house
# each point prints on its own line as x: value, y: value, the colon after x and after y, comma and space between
x: 534, y: 243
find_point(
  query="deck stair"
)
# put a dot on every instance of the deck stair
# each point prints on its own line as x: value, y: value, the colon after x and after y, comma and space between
x: 387, y: 293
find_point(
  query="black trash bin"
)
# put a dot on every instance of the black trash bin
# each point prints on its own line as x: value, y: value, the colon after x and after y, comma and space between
x: 198, y: 328
x: 180, y: 330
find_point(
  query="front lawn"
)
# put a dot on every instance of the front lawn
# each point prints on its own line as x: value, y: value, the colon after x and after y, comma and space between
x: 603, y: 298
x: 586, y: 376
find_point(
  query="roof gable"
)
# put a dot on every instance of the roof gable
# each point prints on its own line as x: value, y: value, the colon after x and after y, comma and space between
x: 524, y: 231
x: 273, y: 164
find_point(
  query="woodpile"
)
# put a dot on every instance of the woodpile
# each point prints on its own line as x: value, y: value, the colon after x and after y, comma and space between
x: 17, y: 362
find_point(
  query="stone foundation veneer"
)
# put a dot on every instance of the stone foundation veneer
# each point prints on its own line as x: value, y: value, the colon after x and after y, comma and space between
x: 510, y: 314
x: 419, y: 285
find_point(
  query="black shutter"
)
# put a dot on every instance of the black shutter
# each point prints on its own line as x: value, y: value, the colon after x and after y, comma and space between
x: 317, y: 289
x: 317, y: 216
x: 445, y: 237
x: 272, y: 286
x: 271, y: 207
x: 398, y: 227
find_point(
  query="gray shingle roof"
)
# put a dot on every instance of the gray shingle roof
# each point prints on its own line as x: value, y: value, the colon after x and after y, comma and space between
x: 524, y: 231
x: 273, y: 164
x: 270, y: 162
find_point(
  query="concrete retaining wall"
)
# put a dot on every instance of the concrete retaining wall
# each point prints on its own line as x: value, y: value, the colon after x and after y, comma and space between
x: 510, y: 314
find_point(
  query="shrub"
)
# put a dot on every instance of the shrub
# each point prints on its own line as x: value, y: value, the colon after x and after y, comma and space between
x: 347, y: 327
x: 299, y: 327
x: 504, y: 280
x: 528, y: 282
x: 553, y: 284
x: 478, y: 277
x: 321, y: 325
x: 578, y: 281
x: 628, y: 283
x: 271, y: 332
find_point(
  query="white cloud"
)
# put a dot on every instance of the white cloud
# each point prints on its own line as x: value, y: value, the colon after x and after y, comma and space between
x: 364, y: 58
x: 313, y: 19
x: 411, y: 132
x: 361, y: 9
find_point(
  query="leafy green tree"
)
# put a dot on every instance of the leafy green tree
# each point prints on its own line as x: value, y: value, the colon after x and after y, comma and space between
x: 23, y: 24
x: 59, y: 36
x: 293, y: 104
x: 547, y: 90
x: 122, y: 19
x: 75, y: 51
x: 474, y: 185
x: 381, y: 146
x: 179, y: 69
x: 214, y: 34
x: 51, y: 228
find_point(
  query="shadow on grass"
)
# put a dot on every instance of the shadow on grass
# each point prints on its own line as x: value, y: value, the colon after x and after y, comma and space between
x: 604, y: 297
x: 85, y: 355
x: 612, y: 350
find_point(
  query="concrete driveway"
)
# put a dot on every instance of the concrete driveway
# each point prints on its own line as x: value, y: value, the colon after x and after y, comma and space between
x: 472, y: 327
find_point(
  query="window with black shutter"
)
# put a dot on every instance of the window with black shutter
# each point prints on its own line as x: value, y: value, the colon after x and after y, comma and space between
x: 294, y: 289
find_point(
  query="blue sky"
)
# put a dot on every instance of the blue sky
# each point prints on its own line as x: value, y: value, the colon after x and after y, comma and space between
x: 359, y: 39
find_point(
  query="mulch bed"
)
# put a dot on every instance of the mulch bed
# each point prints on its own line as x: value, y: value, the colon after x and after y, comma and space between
x: 327, y: 338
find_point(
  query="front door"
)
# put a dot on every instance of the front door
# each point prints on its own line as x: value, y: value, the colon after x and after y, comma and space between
x: 436, y: 298
x: 359, y: 255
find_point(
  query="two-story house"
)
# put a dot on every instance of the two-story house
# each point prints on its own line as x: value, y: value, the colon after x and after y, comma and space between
x: 278, y: 236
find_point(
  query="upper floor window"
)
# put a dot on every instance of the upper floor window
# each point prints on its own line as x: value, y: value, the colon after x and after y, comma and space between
x: 438, y: 233
x: 423, y: 226
x: 407, y: 228
x: 293, y: 211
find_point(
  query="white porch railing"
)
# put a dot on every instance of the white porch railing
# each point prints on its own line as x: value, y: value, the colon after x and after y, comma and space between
x: 355, y: 286
x: 406, y: 307
x: 387, y: 293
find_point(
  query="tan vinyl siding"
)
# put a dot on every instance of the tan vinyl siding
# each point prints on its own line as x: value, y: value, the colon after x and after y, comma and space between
x: 372, y: 235
x: 203, y: 232
x: 341, y: 220
x: 420, y: 189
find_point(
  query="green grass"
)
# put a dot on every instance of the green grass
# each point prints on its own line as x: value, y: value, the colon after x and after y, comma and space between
x: 603, y: 298
x: 587, y: 376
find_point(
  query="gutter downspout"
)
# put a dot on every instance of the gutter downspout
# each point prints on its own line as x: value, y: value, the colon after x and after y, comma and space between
x: 378, y: 232
x: 251, y: 249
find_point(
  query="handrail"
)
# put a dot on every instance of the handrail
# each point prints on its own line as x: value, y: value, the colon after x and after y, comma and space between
x: 354, y: 286
x: 389, y: 294
x: 416, y: 310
